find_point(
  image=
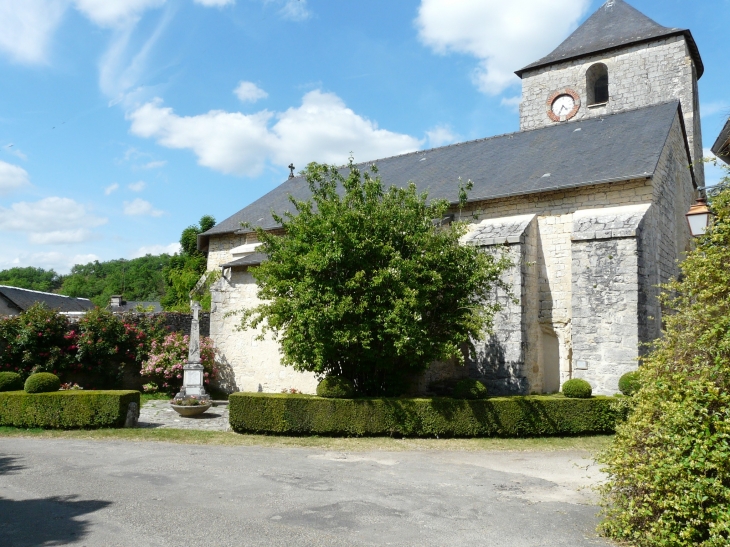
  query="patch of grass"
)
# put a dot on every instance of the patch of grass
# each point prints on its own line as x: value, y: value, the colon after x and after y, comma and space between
x: 144, y: 397
x: 592, y: 444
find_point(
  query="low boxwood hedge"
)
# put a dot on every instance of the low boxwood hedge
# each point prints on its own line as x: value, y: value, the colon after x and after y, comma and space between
x: 438, y: 417
x: 69, y: 409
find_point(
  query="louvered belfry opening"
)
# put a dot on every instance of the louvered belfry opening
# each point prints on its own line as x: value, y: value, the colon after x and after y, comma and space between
x: 597, y: 84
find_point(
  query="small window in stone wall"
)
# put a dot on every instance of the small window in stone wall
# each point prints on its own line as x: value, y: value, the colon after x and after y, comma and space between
x: 597, y: 84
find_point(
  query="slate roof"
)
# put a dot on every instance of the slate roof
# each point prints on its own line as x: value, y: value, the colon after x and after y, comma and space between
x: 721, y: 148
x: 253, y: 259
x: 22, y: 299
x: 615, y: 24
x: 617, y: 147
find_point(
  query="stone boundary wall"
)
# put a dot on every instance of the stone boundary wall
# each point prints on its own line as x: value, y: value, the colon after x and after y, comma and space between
x: 175, y: 321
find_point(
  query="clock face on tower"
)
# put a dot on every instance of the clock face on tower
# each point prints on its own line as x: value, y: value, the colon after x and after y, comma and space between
x: 563, y: 105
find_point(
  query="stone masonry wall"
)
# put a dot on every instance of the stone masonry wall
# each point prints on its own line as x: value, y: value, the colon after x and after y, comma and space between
x: 255, y: 364
x: 505, y: 359
x: 605, y: 299
x: 638, y: 76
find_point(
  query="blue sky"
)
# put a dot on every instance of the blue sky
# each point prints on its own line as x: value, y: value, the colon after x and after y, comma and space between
x: 124, y: 121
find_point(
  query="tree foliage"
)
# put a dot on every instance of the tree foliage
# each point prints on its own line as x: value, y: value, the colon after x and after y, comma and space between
x: 136, y: 279
x: 365, y: 285
x: 669, y: 466
x: 36, y: 279
x: 186, y: 268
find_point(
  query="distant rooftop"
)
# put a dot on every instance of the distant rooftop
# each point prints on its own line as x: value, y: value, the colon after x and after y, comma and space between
x: 721, y: 148
x: 615, y: 24
x: 22, y: 299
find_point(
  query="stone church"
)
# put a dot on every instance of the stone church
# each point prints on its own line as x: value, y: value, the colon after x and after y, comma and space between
x: 588, y: 198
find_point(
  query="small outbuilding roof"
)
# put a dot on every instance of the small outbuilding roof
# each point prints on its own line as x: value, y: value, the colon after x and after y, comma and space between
x: 253, y: 259
x: 615, y: 24
x: 721, y: 148
x: 22, y: 299
x: 624, y: 146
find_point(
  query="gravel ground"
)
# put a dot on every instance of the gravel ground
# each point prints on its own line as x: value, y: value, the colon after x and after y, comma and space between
x: 115, y: 493
x: 157, y: 413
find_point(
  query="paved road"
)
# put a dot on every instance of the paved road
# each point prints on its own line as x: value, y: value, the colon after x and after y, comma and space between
x: 101, y: 493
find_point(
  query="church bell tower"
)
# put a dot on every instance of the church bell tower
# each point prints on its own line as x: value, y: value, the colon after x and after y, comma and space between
x: 618, y: 59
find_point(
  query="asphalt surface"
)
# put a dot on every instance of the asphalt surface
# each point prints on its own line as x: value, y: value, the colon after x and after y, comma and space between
x: 101, y: 493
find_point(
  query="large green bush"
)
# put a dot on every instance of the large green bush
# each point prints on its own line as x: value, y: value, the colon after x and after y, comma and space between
x: 334, y: 387
x: 469, y: 389
x: 38, y: 340
x: 669, y: 466
x: 42, y: 382
x: 577, y: 388
x: 364, y: 285
x: 66, y: 409
x: 439, y: 417
x: 95, y: 352
x: 629, y: 383
x: 10, y: 381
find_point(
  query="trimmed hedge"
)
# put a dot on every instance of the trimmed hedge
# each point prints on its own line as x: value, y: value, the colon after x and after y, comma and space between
x: 42, y: 382
x: 438, y: 417
x: 469, y: 389
x: 336, y: 388
x: 10, y: 381
x: 577, y: 388
x: 69, y: 409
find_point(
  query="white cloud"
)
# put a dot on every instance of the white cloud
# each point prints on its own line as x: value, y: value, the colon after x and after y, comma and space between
x: 137, y: 186
x: 295, y: 10
x: 713, y: 173
x: 111, y: 188
x: 513, y: 103
x: 215, y: 3
x: 441, y: 135
x: 249, y: 92
x: 111, y: 13
x: 27, y: 26
x: 12, y: 177
x: 58, y: 261
x: 715, y: 107
x: 154, y: 165
x: 140, y: 207
x: 322, y: 129
x: 169, y: 249
x: 50, y: 221
x: 504, y: 36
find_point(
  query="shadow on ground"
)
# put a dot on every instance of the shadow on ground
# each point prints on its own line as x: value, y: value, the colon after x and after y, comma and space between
x: 44, y: 521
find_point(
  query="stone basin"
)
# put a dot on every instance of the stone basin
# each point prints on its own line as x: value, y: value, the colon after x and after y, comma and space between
x: 188, y: 411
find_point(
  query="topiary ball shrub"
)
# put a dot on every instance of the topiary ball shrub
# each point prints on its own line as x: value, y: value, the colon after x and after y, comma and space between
x: 469, y: 389
x: 629, y: 383
x: 335, y: 387
x: 10, y: 381
x: 42, y: 382
x: 577, y: 389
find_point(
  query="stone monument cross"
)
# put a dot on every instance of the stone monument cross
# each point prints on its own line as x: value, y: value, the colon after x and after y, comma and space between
x: 193, y: 370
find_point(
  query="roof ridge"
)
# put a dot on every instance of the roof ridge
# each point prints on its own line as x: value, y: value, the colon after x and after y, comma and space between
x: 503, y: 135
x: 43, y: 292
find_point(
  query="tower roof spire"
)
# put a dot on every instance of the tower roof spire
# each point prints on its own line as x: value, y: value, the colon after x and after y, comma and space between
x: 615, y: 24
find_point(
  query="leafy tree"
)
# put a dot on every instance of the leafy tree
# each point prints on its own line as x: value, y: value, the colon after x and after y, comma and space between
x: 669, y: 465
x: 36, y: 279
x: 365, y: 286
x: 186, y: 268
x: 137, y: 279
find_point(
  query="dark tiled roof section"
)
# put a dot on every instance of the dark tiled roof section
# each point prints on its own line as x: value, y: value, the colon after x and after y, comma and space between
x: 721, y: 148
x: 253, y: 259
x: 24, y: 299
x: 615, y: 24
x: 618, y: 147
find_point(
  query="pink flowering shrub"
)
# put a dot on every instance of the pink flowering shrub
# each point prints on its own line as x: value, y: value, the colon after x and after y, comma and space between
x: 164, y: 367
